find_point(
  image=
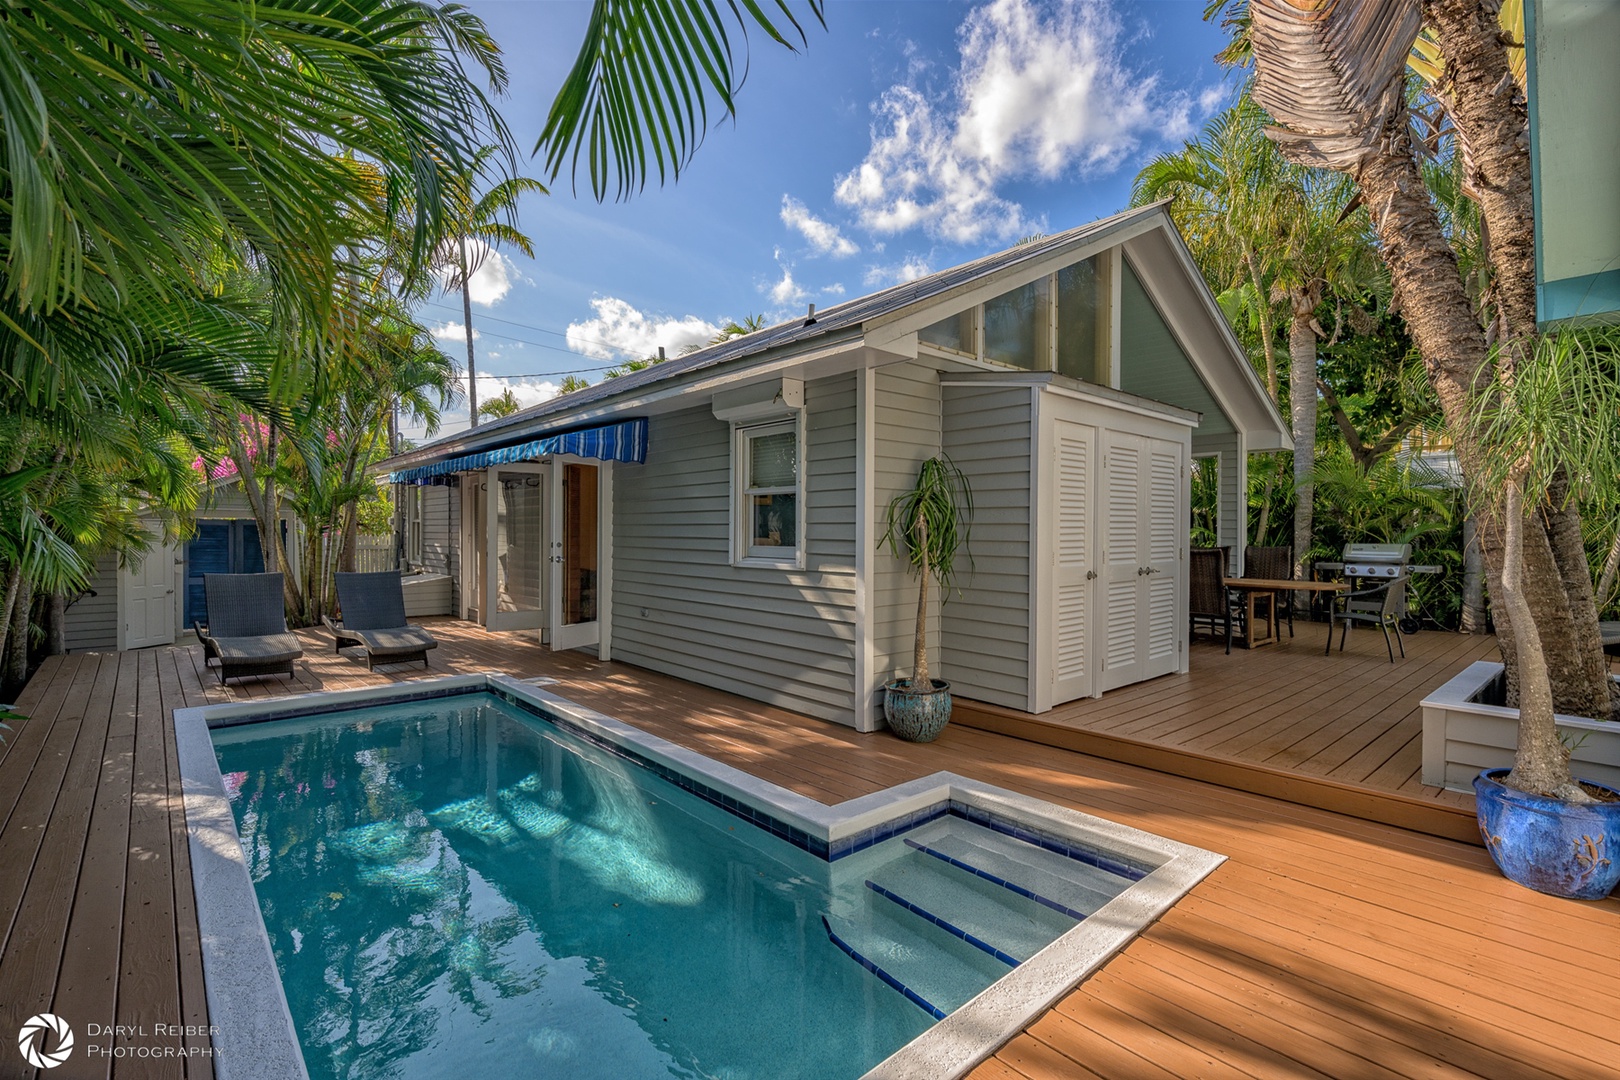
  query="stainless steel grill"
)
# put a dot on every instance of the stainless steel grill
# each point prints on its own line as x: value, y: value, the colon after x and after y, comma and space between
x: 1377, y: 560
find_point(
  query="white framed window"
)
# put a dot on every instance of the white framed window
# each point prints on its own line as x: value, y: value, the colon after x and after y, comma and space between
x: 413, y: 525
x: 768, y: 494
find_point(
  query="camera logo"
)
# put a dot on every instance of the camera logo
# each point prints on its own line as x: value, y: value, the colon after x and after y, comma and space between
x: 40, y: 1031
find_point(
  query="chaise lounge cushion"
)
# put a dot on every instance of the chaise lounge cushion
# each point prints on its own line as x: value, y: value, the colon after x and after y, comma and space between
x: 394, y: 641
x: 261, y: 649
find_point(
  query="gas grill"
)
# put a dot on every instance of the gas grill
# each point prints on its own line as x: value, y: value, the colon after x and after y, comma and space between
x: 1378, y: 562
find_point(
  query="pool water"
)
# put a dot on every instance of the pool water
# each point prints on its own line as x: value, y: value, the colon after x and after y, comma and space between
x: 455, y: 887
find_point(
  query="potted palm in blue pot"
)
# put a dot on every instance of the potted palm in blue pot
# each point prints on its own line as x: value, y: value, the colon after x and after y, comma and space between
x: 927, y: 527
x: 1539, y: 436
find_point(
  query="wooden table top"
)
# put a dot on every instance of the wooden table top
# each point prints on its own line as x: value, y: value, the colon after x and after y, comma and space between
x: 1279, y: 584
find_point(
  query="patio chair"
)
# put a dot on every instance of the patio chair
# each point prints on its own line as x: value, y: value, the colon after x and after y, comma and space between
x: 1275, y: 564
x: 247, y: 626
x: 1207, y: 598
x: 372, y: 606
x: 1382, y: 605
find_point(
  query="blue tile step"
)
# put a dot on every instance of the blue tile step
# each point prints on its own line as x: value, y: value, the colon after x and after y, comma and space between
x: 935, y: 970
x: 984, y: 913
x: 1060, y: 883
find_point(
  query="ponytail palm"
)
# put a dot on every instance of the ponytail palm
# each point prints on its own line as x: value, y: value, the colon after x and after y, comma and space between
x: 927, y: 527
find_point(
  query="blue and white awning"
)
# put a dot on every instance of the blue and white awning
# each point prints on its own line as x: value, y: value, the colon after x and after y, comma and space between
x: 624, y: 441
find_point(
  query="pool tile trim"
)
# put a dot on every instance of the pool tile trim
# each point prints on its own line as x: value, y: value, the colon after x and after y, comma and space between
x: 248, y: 1006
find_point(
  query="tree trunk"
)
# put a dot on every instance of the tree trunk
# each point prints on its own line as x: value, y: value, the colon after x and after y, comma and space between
x: 56, y: 625
x: 350, y: 538
x: 1302, y: 411
x: 1473, y: 617
x: 466, y: 316
x: 1541, y: 763
x: 1423, y: 271
x: 1267, y: 331
x: 14, y: 674
x: 1611, y: 566
x: 919, y: 655
x: 9, y: 604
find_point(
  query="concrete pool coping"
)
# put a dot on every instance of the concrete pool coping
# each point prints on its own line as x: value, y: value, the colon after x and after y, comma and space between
x: 256, y: 1037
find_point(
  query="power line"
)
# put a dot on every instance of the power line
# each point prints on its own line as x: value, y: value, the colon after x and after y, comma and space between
x: 528, y: 326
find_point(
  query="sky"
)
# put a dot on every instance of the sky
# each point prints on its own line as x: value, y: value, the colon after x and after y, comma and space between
x: 908, y: 137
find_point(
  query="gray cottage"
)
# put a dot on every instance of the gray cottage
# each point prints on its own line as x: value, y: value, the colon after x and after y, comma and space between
x: 716, y: 517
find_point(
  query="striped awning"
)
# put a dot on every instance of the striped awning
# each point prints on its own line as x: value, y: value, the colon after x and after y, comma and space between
x: 624, y: 441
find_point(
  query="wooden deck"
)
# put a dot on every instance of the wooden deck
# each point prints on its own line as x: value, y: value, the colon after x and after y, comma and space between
x: 1326, y: 946
x: 1342, y: 731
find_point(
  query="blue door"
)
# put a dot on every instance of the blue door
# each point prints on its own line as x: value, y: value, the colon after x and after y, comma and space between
x: 220, y: 547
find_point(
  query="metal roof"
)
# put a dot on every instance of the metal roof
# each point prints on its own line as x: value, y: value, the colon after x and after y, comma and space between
x: 552, y: 414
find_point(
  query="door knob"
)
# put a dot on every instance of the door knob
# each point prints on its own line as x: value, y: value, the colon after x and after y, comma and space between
x: 1091, y: 575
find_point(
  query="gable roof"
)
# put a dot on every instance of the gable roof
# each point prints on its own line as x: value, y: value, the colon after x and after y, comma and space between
x: 844, y: 320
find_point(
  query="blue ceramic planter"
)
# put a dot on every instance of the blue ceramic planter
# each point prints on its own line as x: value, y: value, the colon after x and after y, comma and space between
x: 917, y: 716
x: 1552, y: 846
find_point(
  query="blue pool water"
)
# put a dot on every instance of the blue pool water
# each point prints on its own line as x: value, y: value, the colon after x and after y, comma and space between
x: 455, y: 887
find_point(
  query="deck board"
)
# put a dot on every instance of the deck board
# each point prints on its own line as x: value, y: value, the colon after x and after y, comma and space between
x: 1327, y: 946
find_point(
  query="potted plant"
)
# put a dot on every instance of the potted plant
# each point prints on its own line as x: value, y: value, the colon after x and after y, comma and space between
x: 1540, y: 434
x: 926, y: 527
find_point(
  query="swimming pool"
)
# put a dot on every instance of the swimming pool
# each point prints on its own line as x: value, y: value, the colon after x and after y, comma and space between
x: 496, y: 881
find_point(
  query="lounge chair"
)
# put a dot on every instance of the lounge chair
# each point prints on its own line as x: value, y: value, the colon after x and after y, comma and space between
x: 373, y: 610
x: 247, y: 626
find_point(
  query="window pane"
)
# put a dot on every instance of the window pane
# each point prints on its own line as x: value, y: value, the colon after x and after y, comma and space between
x: 772, y: 460
x: 1011, y: 333
x: 775, y: 521
x: 1082, y: 321
x: 954, y: 333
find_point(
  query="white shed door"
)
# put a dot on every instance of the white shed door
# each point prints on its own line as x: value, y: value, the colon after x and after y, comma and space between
x: 1142, y: 529
x: 1074, y: 558
x: 147, y: 599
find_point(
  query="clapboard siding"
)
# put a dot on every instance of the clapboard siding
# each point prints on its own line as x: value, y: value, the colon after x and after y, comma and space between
x: 781, y: 636
x: 453, y: 545
x: 92, y: 622
x: 905, y: 434
x: 1154, y: 365
x: 986, y: 630
x: 438, y: 541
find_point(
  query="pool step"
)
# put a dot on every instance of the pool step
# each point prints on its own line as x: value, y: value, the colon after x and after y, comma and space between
x: 934, y: 970
x: 999, y: 921
x: 1057, y: 882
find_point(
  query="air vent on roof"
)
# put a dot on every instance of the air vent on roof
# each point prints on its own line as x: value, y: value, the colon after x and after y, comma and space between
x: 812, y: 318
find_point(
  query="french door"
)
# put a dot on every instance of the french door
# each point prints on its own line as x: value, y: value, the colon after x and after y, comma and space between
x: 1143, y: 530
x: 576, y: 562
x: 514, y: 522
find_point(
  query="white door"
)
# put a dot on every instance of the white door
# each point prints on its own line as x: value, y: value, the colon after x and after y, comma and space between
x: 576, y: 554
x: 146, y: 598
x: 1142, y: 533
x: 514, y: 510
x: 1074, y: 558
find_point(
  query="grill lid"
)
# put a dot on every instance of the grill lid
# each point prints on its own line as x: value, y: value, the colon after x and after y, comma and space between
x: 1361, y: 554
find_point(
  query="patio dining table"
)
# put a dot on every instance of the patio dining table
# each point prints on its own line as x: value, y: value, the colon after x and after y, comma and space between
x: 1253, y: 589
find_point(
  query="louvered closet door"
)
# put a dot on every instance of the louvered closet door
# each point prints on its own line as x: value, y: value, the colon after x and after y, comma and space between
x: 1124, y: 556
x: 1074, y: 558
x: 1164, y: 520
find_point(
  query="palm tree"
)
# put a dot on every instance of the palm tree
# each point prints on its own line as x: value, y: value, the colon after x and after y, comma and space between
x: 1353, y: 116
x: 504, y: 404
x: 571, y: 383
x: 482, y: 223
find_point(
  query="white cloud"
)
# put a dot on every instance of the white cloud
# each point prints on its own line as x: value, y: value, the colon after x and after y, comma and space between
x: 453, y: 333
x: 823, y: 236
x: 621, y: 332
x: 1040, y: 92
x: 912, y: 268
x: 491, y: 281
x: 1211, y: 99
x: 787, y: 292
x: 527, y: 391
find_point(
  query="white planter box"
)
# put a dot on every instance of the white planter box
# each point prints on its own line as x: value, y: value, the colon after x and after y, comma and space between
x: 1461, y: 736
x: 426, y: 594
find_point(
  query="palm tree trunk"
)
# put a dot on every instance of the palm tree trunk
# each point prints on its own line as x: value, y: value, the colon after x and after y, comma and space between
x: 466, y: 322
x: 14, y: 673
x: 1268, y: 332
x: 1611, y: 566
x: 1302, y: 411
x: 1423, y: 271
x: 919, y: 656
x: 1473, y: 619
x: 13, y: 587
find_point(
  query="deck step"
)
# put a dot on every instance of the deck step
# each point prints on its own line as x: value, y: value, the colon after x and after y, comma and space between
x: 935, y: 970
x: 1006, y: 924
x: 1055, y: 881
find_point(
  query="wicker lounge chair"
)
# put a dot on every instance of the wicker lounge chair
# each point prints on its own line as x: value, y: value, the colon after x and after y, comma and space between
x: 1275, y: 564
x: 1207, y: 598
x: 373, y: 610
x: 247, y: 626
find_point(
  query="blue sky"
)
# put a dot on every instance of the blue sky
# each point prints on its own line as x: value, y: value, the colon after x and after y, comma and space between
x: 908, y: 137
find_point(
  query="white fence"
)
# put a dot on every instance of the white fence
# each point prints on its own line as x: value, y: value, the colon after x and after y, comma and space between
x: 374, y: 553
